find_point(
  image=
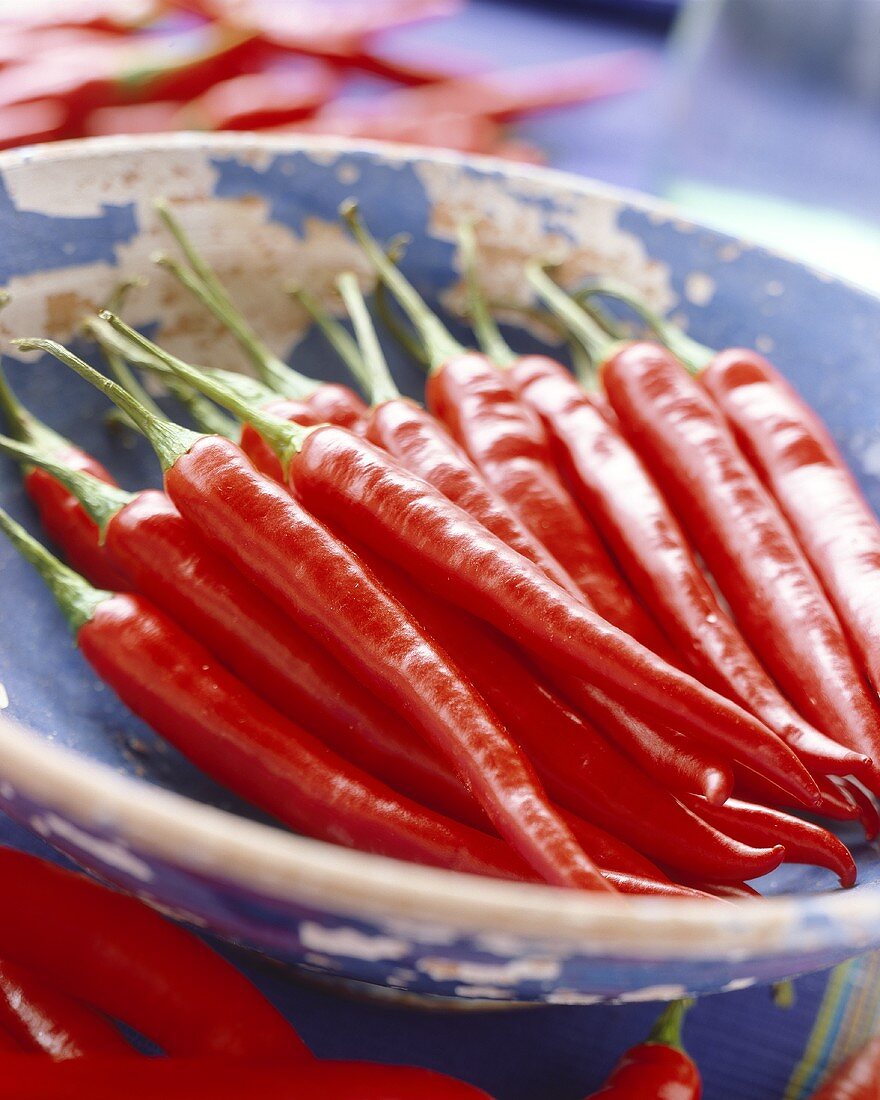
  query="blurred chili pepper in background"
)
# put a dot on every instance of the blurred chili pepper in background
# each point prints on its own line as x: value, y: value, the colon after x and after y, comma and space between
x: 94, y: 68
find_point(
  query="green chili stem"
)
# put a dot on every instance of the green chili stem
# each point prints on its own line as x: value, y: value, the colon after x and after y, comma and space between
x: 249, y: 389
x: 439, y: 342
x: 694, y: 355
x: 487, y: 331
x: 584, y: 299
x: 77, y: 599
x: 667, y: 1030
x: 597, y: 342
x: 202, y: 281
x: 100, y: 500
x: 379, y: 383
x: 336, y: 334
x: 283, y: 436
x: 169, y: 440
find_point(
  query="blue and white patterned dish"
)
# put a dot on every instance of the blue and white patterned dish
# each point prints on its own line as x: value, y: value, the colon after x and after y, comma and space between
x: 93, y: 781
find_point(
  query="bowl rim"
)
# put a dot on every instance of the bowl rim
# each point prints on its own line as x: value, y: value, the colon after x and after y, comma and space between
x: 266, y: 859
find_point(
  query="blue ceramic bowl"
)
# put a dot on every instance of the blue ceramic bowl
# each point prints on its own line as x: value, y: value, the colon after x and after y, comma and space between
x: 84, y: 774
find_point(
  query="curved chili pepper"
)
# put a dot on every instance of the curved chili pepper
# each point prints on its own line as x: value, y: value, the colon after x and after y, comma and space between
x: 44, y: 1021
x: 331, y: 402
x: 353, y: 486
x: 737, y: 527
x: 417, y: 440
x: 578, y: 767
x: 508, y: 445
x: 295, y: 559
x: 26, y: 1078
x: 63, y: 520
x: 856, y: 1078
x: 804, y: 842
x: 255, y: 101
x: 659, y: 1068
x: 118, y: 955
x: 164, y: 559
x: 618, y: 493
x: 668, y: 756
x: 796, y: 458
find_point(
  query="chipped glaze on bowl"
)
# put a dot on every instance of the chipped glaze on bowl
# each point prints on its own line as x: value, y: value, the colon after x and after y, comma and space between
x: 92, y: 780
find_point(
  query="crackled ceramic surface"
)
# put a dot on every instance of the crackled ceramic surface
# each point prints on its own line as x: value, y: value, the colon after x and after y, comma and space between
x: 98, y: 785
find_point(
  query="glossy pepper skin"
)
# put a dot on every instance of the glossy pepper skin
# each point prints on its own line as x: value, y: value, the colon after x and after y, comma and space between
x: 611, y: 483
x: 508, y: 445
x: 118, y: 955
x: 423, y: 445
x: 578, y: 767
x: 165, y: 560
x: 804, y: 841
x: 857, y: 1078
x: 745, y: 541
x: 175, y: 685
x: 314, y: 578
x: 26, y: 1078
x: 41, y: 1020
x: 672, y: 759
x: 352, y: 486
x: 61, y: 515
x: 659, y: 1069
x: 798, y: 461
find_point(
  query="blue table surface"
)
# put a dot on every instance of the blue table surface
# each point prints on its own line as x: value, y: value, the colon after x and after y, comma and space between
x: 552, y: 1053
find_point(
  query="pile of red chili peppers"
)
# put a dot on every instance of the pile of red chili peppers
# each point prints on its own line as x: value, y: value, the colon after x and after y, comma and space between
x: 575, y: 631
x: 484, y: 635
x: 92, y: 67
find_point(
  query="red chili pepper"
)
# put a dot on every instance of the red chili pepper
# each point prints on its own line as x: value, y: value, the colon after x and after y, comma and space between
x: 62, y: 518
x: 256, y: 101
x: 106, y: 16
x: 672, y: 759
x: 99, y: 74
x: 164, y: 559
x: 506, y: 95
x: 804, y: 842
x: 296, y: 560
x: 118, y: 955
x: 465, y: 133
x: 618, y: 493
x: 798, y: 461
x: 578, y: 767
x: 659, y: 1068
x: 29, y: 123
x: 337, y: 33
x: 155, y: 117
x: 330, y: 402
x: 27, y: 1078
x: 856, y: 1079
x: 41, y: 1020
